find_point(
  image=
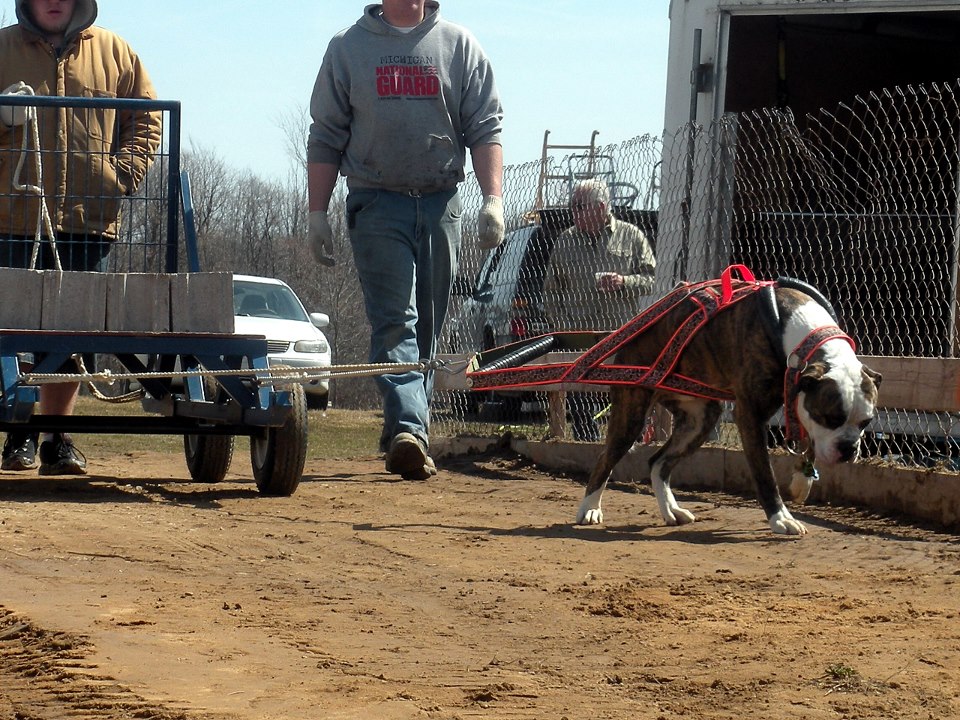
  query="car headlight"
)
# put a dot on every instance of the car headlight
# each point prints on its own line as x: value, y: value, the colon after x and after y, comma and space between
x: 311, y: 346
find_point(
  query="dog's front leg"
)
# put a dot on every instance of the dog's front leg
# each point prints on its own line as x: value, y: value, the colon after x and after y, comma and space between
x: 753, y: 435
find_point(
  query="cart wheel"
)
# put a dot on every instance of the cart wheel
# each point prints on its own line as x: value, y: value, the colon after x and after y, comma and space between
x: 208, y: 456
x: 278, y: 454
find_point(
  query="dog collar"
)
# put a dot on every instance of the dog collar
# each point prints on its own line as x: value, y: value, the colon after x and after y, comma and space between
x: 793, y: 431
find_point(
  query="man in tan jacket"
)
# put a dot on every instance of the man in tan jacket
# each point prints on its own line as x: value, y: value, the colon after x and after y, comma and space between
x: 91, y: 159
x: 598, y: 271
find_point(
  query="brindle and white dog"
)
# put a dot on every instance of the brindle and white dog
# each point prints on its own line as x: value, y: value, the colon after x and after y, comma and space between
x: 741, y: 352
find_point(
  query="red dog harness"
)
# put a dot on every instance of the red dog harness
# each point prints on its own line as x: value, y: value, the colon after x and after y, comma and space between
x: 705, y: 299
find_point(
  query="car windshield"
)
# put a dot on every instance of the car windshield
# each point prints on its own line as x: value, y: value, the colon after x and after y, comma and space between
x: 267, y: 301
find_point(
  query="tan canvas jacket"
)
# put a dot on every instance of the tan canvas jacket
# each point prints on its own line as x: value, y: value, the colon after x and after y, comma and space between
x: 91, y: 158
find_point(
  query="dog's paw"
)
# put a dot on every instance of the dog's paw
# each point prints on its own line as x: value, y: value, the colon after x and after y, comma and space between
x: 783, y: 523
x: 590, y: 512
x: 683, y: 516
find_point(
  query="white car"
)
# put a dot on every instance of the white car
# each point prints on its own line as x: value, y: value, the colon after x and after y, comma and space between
x: 269, y: 307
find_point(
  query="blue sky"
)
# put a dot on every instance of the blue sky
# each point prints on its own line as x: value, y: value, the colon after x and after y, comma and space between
x: 239, y: 67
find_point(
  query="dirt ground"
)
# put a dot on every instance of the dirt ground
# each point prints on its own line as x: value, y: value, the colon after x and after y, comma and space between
x: 134, y: 593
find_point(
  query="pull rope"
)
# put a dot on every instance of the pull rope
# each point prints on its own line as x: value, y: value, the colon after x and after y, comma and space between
x: 101, y: 396
x: 30, y: 143
x: 266, y: 376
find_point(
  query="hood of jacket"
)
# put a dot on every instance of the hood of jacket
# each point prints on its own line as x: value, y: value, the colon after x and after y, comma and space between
x: 372, y: 21
x: 84, y: 15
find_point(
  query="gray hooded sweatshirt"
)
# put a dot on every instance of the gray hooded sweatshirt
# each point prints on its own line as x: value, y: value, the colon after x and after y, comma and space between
x: 398, y: 110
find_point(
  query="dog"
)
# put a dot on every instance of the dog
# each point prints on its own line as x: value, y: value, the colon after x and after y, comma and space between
x: 746, y: 352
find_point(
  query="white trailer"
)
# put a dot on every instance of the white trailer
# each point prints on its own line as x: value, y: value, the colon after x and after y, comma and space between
x: 737, y: 55
x: 734, y: 56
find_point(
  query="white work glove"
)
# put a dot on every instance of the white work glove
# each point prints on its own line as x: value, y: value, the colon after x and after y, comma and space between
x: 490, y: 222
x: 13, y: 116
x: 320, y: 235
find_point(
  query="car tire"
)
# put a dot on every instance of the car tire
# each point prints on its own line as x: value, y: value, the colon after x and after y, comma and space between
x: 317, y: 402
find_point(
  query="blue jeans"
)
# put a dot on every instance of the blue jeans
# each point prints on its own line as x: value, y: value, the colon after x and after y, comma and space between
x: 405, y: 249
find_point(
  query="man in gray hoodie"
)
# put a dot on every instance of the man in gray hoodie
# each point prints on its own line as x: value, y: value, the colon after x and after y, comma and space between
x: 400, y: 97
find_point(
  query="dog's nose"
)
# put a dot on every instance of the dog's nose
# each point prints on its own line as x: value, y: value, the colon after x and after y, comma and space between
x: 847, y: 451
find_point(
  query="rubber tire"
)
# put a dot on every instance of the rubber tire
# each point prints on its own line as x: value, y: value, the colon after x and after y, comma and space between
x: 208, y: 456
x: 279, y: 453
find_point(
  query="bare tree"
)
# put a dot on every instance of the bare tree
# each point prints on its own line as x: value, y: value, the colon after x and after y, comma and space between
x: 210, y: 182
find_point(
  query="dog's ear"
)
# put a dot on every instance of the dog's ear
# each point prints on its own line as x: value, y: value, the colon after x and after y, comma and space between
x: 873, y: 375
x: 812, y: 374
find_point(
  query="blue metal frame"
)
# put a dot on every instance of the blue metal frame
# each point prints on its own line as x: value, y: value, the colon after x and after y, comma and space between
x: 188, y: 407
x: 172, y: 107
x: 189, y: 227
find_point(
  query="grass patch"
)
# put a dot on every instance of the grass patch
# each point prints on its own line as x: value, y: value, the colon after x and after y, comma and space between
x: 841, y: 678
x: 336, y: 433
x: 344, y: 433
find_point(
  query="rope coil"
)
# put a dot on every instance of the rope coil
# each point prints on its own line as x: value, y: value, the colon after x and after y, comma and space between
x: 30, y: 143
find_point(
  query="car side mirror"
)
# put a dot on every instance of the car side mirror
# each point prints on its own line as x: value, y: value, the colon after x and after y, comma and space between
x: 320, y: 320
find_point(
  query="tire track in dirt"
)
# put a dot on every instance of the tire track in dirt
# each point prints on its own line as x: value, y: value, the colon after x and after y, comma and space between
x: 44, y: 675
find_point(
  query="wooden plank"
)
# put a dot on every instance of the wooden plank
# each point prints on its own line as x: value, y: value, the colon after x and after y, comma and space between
x: 557, y: 414
x: 73, y: 301
x: 928, y: 384
x: 202, y: 302
x: 21, y: 299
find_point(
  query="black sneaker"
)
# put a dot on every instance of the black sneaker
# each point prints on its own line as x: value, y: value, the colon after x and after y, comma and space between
x: 408, y: 458
x: 60, y: 457
x: 19, y: 451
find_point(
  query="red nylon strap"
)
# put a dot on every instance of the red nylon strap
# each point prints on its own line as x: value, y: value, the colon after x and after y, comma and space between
x: 705, y: 300
x: 617, y: 339
x: 726, y: 280
x: 702, y: 296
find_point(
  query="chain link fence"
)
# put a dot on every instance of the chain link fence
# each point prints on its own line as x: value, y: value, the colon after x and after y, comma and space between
x: 860, y: 201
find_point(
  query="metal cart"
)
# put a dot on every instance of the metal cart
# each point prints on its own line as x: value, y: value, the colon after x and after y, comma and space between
x: 208, y: 387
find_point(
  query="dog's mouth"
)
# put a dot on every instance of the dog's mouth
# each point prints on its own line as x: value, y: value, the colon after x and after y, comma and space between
x: 840, y: 451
